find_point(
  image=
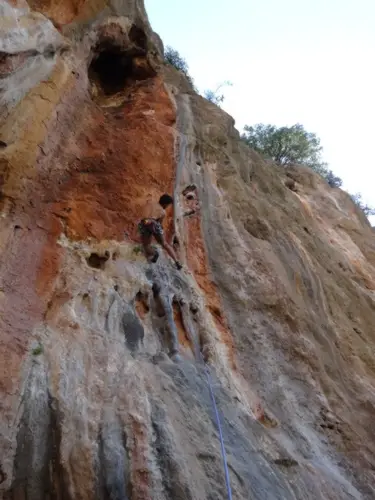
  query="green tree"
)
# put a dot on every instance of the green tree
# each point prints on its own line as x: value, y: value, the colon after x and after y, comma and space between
x: 174, y: 58
x: 294, y: 145
x: 367, y: 209
x: 286, y: 145
x: 214, y: 96
x: 332, y: 179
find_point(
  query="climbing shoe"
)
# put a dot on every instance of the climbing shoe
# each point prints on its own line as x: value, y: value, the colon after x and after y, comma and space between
x: 155, y: 257
x: 178, y: 265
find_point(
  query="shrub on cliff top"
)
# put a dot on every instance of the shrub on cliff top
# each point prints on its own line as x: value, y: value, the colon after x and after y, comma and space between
x: 174, y: 58
x: 286, y: 145
x: 289, y: 146
x: 214, y: 96
x: 332, y: 179
x: 367, y: 209
x: 294, y: 145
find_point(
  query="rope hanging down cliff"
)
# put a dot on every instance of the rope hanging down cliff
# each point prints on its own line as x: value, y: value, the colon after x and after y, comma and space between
x: 217, y: 417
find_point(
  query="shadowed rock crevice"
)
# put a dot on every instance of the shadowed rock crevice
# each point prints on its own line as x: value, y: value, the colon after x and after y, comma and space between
x: 113, y: 462
x: 10, y: 63
x: 138, y: 37
x: 38, y: 473
x: 187, y: 326
x: 132, y: 328
x: 141, y: 305
x: 31, y: 475
x: 59, y: 480
x: 164, y: 309
x: 183, y: 336
x: 122, y: 319
x: 175, y: 483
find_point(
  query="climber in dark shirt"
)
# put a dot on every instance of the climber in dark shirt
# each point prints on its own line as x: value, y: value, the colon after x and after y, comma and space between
x: 150, y: 226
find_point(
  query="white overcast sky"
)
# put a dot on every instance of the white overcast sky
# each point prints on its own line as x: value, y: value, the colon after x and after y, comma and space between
x: 290, y: 61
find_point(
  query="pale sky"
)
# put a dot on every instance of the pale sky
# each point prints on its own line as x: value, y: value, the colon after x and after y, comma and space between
x: 290, y: 61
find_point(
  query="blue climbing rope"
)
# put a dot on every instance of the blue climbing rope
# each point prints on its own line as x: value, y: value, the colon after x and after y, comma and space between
x: 223, y: 454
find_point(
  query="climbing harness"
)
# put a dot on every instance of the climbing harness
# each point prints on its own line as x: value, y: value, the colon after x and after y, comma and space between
x: 223, y: 454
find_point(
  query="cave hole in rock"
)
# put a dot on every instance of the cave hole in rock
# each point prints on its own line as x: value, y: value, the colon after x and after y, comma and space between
x: 138, y: 37
x: 110, y: 69
x: 176, y: 242
x: 141, y: 304
x: 291, y: 184
x: 97, y: 261
x: 113, y: 67
x: 194, y: 308
x: 190, y: 199
x: 190, y: 189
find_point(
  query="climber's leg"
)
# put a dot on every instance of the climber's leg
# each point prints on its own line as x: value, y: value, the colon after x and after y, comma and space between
x: 159, y: 236
x: 146, y: 238
x: 158, y: 232
x: 149, y: 228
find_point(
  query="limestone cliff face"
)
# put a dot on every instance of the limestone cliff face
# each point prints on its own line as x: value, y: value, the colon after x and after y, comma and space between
x: 103, y: 388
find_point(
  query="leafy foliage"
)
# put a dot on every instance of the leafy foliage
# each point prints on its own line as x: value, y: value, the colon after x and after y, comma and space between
x: 214, y: 96
x: 368, y: 210
x: 37, y: 350
x: 174, y: 58
x: 333, y: 180
x: 286, y: 145
x: 294, y: 145
x: 137, y: 249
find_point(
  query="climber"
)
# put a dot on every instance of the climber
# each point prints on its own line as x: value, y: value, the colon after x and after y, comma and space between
x: 151, y: 225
